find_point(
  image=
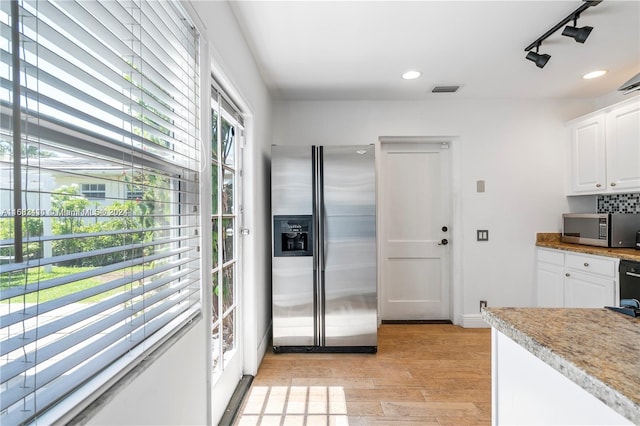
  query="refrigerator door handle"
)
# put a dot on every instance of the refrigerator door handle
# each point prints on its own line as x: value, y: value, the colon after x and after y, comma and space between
x: 318, y: 252
x: 325, y: 241
x: 314, y: 209
x: 321, y: 244
x: 321, y: 212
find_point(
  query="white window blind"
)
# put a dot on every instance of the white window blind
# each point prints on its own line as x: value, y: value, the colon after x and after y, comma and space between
x: 107, y: 97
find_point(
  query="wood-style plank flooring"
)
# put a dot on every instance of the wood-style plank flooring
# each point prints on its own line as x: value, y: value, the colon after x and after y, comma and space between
x: 423, y: 374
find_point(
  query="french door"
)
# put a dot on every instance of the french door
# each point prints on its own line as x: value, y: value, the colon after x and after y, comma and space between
x: 226, y: 330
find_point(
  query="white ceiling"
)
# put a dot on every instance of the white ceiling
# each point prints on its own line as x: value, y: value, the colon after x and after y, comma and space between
x: 358, y: 49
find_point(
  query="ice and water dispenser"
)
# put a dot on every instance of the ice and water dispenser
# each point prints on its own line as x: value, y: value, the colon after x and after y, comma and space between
x: 292, y: 236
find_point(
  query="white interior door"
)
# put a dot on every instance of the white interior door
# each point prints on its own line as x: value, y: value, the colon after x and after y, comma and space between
x: 415, y: 225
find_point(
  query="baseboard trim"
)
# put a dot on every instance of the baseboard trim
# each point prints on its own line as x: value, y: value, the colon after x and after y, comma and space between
x: 416, y: 322
x: 473, y: 321
x: 264, y: 345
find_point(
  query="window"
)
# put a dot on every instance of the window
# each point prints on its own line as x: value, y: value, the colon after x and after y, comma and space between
x: 99, y: 172
x: 226, y: 129
x: 135, y: 192
x: 94, y: 191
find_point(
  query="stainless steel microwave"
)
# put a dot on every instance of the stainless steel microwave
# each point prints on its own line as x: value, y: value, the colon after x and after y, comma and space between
x: 604, y: 230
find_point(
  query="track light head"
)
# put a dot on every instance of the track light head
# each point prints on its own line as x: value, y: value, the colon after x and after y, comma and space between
x: 578, y: 34
x: 539, y: 59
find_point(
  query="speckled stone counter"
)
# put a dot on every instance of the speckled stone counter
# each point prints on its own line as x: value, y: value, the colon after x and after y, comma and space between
x: 550, y: 240
x: 597, y: 349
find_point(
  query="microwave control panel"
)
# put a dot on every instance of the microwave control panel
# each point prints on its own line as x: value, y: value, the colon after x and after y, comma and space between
x: 604, y: 228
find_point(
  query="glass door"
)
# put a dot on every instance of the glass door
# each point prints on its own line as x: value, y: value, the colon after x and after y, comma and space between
x: 226, y: 332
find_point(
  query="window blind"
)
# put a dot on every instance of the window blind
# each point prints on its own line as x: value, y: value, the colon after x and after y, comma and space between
x: 99, y: 193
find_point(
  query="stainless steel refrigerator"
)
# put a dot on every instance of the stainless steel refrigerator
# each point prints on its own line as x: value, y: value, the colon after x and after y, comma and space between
x: 324, y: 249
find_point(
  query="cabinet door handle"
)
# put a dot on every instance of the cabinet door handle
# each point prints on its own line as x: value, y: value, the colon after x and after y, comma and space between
x: 613, y: 184
x: 598, y: 185
x: 586, y: 265
x: 567, y: 274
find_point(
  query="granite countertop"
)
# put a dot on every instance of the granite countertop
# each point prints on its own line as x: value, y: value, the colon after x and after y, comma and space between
x: 551, y: 240
x: 597, y: 349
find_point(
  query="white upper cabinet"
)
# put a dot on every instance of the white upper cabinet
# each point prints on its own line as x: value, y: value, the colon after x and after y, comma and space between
x: 605, y: 151
x: 588, y: 155
x: 623, y: 148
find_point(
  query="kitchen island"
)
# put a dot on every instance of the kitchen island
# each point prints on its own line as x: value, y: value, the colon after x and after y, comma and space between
x: 564, y: 366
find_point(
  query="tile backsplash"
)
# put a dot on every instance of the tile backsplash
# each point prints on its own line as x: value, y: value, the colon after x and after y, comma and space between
x: 619, y: 203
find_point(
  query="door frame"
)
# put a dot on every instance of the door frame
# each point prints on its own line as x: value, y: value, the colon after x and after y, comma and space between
x: 455, y: 193
x: 222, y: 384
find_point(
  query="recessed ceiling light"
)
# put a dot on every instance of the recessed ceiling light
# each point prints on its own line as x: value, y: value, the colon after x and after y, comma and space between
x: 594, y: 74
x: 411, y: 75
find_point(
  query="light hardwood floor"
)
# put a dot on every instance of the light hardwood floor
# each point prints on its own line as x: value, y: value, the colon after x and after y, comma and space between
x: 423, y: 374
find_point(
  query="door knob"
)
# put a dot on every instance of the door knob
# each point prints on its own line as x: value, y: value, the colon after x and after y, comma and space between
x: 444, y: 242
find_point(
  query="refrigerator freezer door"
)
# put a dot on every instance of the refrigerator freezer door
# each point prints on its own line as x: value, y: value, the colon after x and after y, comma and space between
x: 291, y: 180
x: 350, y: 289
x: 293, y: 293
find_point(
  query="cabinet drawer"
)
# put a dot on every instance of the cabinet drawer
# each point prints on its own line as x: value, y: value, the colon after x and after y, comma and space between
x: 594, y: 265
x: 551, y: 256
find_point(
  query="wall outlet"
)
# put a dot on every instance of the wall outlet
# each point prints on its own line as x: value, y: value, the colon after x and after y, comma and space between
x: 483, y: 304
x: 482, y: 235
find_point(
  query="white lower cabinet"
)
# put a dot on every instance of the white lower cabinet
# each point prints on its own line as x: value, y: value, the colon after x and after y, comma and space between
x: 550, y: 278
x: 550, y: 285
x: 588, y: 291
x: 575, y: 280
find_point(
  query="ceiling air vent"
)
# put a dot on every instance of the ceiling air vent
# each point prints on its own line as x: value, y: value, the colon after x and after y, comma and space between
x: 445, y: 89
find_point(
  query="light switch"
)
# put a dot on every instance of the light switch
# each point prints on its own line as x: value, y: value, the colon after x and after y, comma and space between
x: 482, y: 234
x: 479, y: 186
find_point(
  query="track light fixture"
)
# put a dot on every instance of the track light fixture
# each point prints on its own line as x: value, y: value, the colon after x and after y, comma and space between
x: 539, y: 59
x: 578, y: 34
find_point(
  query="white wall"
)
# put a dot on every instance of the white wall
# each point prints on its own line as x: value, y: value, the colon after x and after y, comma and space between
x: 234, y: 68
x: 171, y: 391
x: 233, y: 65
x: 515, y: 147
